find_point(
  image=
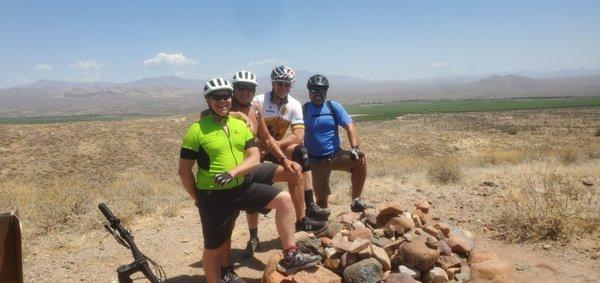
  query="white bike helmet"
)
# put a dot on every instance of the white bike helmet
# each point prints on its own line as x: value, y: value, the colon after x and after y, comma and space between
x: 244, y: 77
x: 283, y: 74
x: 217, y: 84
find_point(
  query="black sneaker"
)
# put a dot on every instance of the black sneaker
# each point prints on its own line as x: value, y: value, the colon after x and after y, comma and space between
x: 251, y: 247
x: 294, y: 260
x: 229, y: 276
x: 311, y: 225
x: 316, y: 212
x: 359, y: 205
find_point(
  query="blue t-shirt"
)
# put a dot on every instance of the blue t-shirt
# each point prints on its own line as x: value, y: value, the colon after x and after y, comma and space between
x: 321, y: 136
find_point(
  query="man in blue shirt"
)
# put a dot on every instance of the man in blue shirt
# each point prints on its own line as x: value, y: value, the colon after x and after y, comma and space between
x: 321, y: 120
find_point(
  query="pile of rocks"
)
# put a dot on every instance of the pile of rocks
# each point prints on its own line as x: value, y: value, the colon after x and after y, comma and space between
x: 393, y: 245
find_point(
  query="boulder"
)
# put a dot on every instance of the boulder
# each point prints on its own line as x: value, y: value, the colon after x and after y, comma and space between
x: 317, y: 274
x: 349, y: 217
x: 310, y: 244
x: 353, y: 247
x: 418, y: 255
x: 334, y: 263
x: 381, y: 242
x: 381, y: 255
x: 400, y: 278
x: 358, y: 225
x: 485, y: 265
x: 459, y: 244
x: 414, y: 273
x: 366, y: 270
x: 348, y: 259
x: 446, y: 262
x: 435, y: 275
x: 391, y: 208
x: 277, y: 277
x: 271, y: 265
x: 423, y: 205
x: 400, y: 225
x: 360, y: 233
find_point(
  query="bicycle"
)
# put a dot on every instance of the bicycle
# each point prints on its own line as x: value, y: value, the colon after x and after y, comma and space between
x: 140, y: 262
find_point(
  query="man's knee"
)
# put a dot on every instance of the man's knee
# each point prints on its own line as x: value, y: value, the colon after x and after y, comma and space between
x: 300, y: 155
x: 282, y: 200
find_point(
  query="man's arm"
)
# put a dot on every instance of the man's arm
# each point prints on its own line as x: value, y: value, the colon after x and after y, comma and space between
x: 188, y: 180
x: 250, y: 163
x: 274, y: 146
x: 297, y: 137
x: 352, y: 134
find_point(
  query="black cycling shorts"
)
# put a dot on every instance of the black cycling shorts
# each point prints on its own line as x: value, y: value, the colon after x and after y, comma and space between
x: 220, y: 208
x: 264, y: 173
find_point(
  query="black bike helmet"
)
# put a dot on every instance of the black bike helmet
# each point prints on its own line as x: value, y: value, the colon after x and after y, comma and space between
x: 317, y: 81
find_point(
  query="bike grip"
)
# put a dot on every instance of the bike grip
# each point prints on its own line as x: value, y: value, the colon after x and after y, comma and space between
x: 106, y: 211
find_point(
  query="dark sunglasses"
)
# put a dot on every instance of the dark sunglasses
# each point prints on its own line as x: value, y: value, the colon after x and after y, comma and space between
x: 224, y: 96
x: 317, y: 91
x: 245, y: 88
x: 284, y: 84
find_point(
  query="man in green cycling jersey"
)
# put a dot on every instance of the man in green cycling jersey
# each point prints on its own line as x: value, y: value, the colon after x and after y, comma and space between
x: 225, y: 151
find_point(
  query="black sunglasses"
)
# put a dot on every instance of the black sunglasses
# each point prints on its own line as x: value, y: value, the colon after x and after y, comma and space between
x: 245, y: 88
x: 224, y: 96
x: 317, y: 91
x: 284, y: 84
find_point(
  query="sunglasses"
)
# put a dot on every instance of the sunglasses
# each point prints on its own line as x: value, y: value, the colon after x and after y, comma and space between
x: 283, y: 84
x: 245, y: 88
x: 224, y: 96
x: 317, y: 91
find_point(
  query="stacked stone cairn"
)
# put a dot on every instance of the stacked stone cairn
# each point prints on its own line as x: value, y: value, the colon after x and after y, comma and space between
x: 394, y: 245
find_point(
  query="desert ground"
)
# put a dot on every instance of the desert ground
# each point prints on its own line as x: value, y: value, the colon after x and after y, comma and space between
x: 524, y: 183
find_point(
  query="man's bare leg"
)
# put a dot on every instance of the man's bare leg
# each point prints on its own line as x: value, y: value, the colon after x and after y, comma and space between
x: 284, y: 218
x: 211, y: 263
x: 294, y: 181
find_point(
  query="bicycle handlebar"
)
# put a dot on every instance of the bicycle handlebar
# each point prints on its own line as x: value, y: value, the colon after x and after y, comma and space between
x: 112, y: 219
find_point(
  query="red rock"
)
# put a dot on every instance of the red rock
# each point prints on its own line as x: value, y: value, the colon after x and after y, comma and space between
x: 460, y: 245
x: 348, y: 259
x: 400, y: 278
x: 361, y: 233
x: 277, y: 277
x: 446, y: 262
x: 433, y: 232
x: 418, y: 255
x: 271, y: 266
x: 423, y: 205
x: 391, y: 208
x: 381, y: 255
x: 325, y: 242
x: 444, y: 248
x: 353, y: 247
x: 334, y: 263
x: 426, y: 218
x: 317, y: 274
x: 349, y: 217
x: 485, y: 265
x: 435, y: 275
x: 400, y: 225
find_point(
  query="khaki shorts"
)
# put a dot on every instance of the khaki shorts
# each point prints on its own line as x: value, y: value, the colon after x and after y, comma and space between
x: 321, y: 170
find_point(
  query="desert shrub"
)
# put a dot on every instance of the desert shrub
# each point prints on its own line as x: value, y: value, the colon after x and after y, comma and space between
x: 552, y: 208
x: 567, y: 156
x: 597, y: 133
x: 500, y: 157
x: 509, y: 130
x: 445, y: 171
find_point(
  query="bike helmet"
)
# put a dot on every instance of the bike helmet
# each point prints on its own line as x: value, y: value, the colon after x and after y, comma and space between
x: 244, y: 77
x: 317, y: 81
x: 283, y: 74
x: 217, y: 84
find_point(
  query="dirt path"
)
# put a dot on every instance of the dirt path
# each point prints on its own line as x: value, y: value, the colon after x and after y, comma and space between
x: 175, y: 243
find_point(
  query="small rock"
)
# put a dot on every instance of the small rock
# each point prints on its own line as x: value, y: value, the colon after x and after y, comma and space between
x: 451, y: 271
x: 348, y: 259
x: 361, y: 233
x: 271, y: 266
x: 414, y: 273
x: 391, y: 208
x: 277, y: 277
x: 371, y: 220
x: 489, y: 184
x: 445, y: 261
x: 400, y: 278
x: 587, y: 183
x: 364, y: 271
x: 459, y: 244
x: 334, y: 263
x: 432, y: 243
x: 349, y: 217
x: 353, y: 247
x: 325, y: 242
x: 400, y: 225
x: 381, y: 220
x: 546, y: 247
x: 358, y: 224
x: 381, y: 242
x: 444, y: 248
x: 317, y: 274
x: 485, y: 265
x: 417, y: 254
x: 381, y: 255
x: 423, y: 205
x: 333, y: 228
x: 435, y: 275
x: 429, y: 229
x: 366, y: 253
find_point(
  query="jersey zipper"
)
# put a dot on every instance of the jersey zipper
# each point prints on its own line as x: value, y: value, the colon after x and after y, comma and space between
x: 228, y: 135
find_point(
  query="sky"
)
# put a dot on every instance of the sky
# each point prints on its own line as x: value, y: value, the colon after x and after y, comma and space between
x: 120, y: 41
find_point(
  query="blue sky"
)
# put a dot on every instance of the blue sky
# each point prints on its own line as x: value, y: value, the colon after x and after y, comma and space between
x: 119, y: 41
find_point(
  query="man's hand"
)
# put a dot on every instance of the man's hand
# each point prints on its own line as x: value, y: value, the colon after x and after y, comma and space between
x: 291, y: 166
x: 357, y: 154
x: 222, y: 179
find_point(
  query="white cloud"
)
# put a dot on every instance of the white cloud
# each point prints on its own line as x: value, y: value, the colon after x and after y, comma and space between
x: 87, y: 65
x: 43, y: 67
x: 270, y: 62
x: 439, y: 64
x: 166, y: 59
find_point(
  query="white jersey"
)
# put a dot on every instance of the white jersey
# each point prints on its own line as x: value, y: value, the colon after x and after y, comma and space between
x: 278, y: 120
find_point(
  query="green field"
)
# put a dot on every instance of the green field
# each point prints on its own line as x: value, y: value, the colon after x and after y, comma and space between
x: 368, y: 112
x: 387, y: 111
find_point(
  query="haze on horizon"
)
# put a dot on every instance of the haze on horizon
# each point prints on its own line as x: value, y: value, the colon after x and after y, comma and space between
x: 116, y: 41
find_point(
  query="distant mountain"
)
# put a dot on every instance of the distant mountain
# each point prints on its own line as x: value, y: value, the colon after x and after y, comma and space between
x: 167, y: 95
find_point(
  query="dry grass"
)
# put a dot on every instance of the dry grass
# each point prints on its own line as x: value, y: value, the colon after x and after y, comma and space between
x: 500, y: 157
x: 567, y: 156
x: 597, y: 133
x: 552, y: 207
x: 445, y: 171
